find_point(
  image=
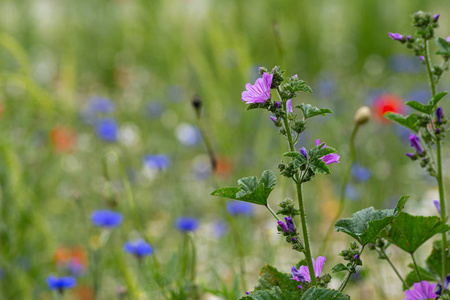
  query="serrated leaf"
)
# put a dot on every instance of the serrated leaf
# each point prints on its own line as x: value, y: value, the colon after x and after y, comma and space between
x: 366, y: 224
x: 435, y: 100
x: 411, y: 278
x: 339, y: 267
x: 409, y: 232
x: 444, y: 47
x: 274, y: 293
x: 426, y: 109
x: 268, y: 179
x: 251, y: 189
x: 434, y: 261
x: 270, y: 277
x: 410, y: 121
x: 323, y: 294
x: 318, y: 166
x: 310, y: 111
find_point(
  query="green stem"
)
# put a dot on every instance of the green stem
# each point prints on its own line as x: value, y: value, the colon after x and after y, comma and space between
x: 301, y: 205
x: 185, y: 256
x: 228, y: 217
x: 439, y: 171
x: 194, y: 259
x: 272, y: 212
x: 342, y: 192
x: 415, y: 267
x: 393, y: 267
x: 349, y: 274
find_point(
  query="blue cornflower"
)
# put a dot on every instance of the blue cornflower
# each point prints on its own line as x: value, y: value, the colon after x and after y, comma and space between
x: 138, y: 248
x: 1, y: 273
x: 220, y: 228
x: 360, y: 173
x: 100, y: 105
x: 60, y: 284
x: 106, y: 218
x: 186, y: 224
x: 188, y: 134
x: 107, y: 130
x: 156, y: 161
x: 239, y: 208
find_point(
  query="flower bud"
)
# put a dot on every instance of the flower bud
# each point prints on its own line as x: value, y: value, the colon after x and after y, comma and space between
x: 304, y: 152
x: 283, y: 226
x: 290, y: 224
x: 439, y: 115
x: 362, y: 115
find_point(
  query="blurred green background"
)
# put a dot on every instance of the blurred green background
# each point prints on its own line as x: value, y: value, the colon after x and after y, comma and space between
x: 150, y: 58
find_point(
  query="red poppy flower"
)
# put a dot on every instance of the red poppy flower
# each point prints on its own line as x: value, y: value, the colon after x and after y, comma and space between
x: 388, y: 103
x: 62, y: 139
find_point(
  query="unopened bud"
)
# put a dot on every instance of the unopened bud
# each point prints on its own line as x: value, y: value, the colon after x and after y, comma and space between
x: 196, y: 104
x: 362, y: 115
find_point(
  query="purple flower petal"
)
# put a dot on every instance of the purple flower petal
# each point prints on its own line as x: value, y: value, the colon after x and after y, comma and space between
x: 438, y: 206
x: 421, y: 290
x: 260, y: 92
x: 331, y: 158
x: 289, y: 106
x: 395, y: 36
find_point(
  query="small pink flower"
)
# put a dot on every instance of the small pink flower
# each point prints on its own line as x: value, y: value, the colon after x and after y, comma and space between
x: 421, y: 291
x: 303, y: 273
x: 260, y: 91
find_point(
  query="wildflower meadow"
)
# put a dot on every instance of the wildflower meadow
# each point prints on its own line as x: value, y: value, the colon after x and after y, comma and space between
x: 206, y: 150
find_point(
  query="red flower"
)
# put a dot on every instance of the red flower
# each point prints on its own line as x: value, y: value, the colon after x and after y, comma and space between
x: 62, y: 139
x: 388, y: 103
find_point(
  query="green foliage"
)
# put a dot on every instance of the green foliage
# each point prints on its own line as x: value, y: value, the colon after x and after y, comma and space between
x: 322, y: 294
x: 366, y: 224
x: 250, y: 190
x: 435, y: 100
x: 276, y: 284
x: 410, y: 121
x: 317, y: 165
x: 426, y: 109
x: 409, y: 232
x: 434, y: 261
x: 411, y: 278
x: 444, y: 47
x: 339, y: 267
x: 310, y: 111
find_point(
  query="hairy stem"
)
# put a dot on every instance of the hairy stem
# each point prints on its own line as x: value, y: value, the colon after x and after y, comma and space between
x: 301, y: 205
x: 342, y: 192
x: 349, y: 274
x: 415, y: 267
x: 272, y: 212
x: 439, y: 170
x: 393, y: 267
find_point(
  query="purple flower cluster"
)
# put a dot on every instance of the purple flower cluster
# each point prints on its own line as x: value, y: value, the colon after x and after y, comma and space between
x: 415, y: 143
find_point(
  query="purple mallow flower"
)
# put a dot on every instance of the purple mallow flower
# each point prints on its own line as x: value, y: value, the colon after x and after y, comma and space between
x: 283, y: 226
x: 438, y: 206
x: 395, y: 36
x: 274, y: 119
x: 329, y: 158
x: 303, y: 273
x: 421, y: 291
x: 289, y: 106
x: 186, y: 224
x: 447, y: 39
x: 436, y: 17
x: 106, y: 218
x: 290, y: 224
x: 277, y: 104
x: 439, y: 287
x: 259, y: 92
x: 60, y: 284
x: 415, y: 143
x: 356, y: 256
x: 304, y: 152
x: 422, y: 58
x: 138, y: 248
x: 439, y: 114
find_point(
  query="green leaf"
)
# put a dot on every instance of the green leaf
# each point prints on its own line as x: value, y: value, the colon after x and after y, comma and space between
x: 410, y: 121
x: 409, y: 232
x: 426, y: 109
x: 268, y: 179
x: 252, y: 106
x: 270, y: 277
x: 319, y: 166
x: 434, y: 261
x: 274, y: 293
x: 323, y: 294
x: 310, y: 111
x: 411, y: 278
x: 339, y: 267
x: 366, y: 224
x: 251, y: 189
x: 435, y: 100
x: 444, y: 47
